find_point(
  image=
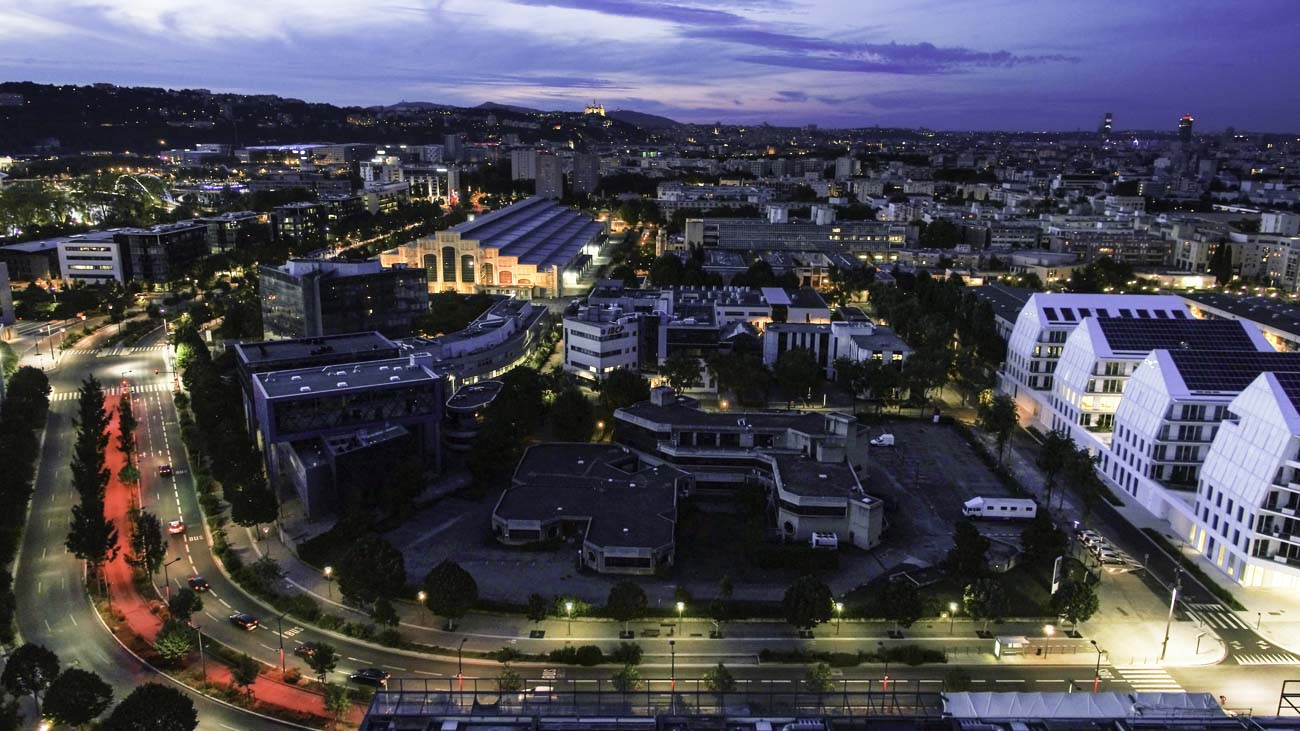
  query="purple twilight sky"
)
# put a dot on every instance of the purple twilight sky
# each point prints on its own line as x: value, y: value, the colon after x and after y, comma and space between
x: 945, y: 64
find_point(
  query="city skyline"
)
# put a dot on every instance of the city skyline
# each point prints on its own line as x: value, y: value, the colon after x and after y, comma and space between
x: 1006, y: 65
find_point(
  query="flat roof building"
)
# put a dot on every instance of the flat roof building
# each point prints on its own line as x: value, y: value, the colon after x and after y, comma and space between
x: 306, y: 298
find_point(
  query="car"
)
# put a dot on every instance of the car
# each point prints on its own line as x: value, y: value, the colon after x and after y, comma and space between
x: 175, y: 527
x: 199, y: 584
x: 164, y: 470
x: 1109, y: 556
x: 306, y: 649
x: 244, y: 620
x: 373, y: 677
x: 1089, y: 537
x: 884, y: 440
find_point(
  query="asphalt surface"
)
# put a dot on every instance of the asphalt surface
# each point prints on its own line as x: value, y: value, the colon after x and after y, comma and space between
x: 54, y: 610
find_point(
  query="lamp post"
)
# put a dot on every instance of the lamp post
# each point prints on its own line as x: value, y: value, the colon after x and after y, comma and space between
x: 421, y: 596
x: 568, y: 613
x: 672, y: 664
x: 167, y: 583
x: 203, y: 660
x: 952, y: 616
x: 279, y: 630
x: 329, y: 581
x: 839, y: 616
x: 460, y: 665
x: 681, y: 607
x: 884, y: 683
x: 1096, y: 671
x: 1048, y: 630
x: 1173, y: 602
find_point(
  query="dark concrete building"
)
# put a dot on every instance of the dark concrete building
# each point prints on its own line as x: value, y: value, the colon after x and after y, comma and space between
x: 307, y: 298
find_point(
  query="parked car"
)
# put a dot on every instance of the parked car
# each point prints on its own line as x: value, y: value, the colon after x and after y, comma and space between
x: 884, y: 440
x: 199, y: 584
x: 306, y: 649
x: 373, y: 677
x: 164, y: 470
x: 244, y: 620
x: 175, y: 527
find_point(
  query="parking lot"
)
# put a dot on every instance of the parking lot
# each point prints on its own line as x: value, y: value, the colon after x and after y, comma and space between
x: 924, y: 479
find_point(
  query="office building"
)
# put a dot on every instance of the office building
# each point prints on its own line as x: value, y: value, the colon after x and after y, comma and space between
x: 306, y: 298
x: 620, y: 507
x: 1185, y: 128
x: 162, y: 253
x: 1282, y: 223
x: 1107, y: 125
x: 599, y: 340
x: 1139, y: 249
x: 236, y: 230
x: 586, y: 173
x: 550, y: 177
x: 536, y: 247
x: 806, y: 462
x: 32, y: 261
x: 453, y: 147
x: 858, y: 239
x: 334, y: 434
x: 859, y: 342
x: 304, y: 224
x: 465, y: 414
x: 495, y: 342
x: 93, y: 258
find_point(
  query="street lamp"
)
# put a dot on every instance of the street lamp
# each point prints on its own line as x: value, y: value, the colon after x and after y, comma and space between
x: 672, y: 664
x: 421, y: 596
x: 884, y: 683
x: 839, y: 616
x: 681, y: 607
x: 952, y: 616
x: 167, y: 583
x: 460, y: 665
x: 1096, y: 672
x: 279, y: 630
x: 203, y: 660
x: 568, y: 611
x: 329, y: 581
x: 1048, y: 630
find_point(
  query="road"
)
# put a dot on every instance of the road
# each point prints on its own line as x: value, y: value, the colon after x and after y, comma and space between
x: 49, y: 578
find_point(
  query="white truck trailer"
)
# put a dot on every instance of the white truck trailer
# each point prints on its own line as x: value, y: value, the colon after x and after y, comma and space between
x: 999, y: 508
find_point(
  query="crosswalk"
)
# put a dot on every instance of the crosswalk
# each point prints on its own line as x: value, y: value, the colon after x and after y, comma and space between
x: 1147, y: 678
x: 1216, y: 616
x: 133, y: 349
x: 1266, y: 658
x: 113, y: 391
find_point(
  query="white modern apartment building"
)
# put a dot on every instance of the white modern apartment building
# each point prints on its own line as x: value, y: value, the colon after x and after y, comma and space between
x: 1102, y: 352
x: 597, y: 340
x: 1038, y: 339
x: 1249, y: 492
x: 1170, y: 415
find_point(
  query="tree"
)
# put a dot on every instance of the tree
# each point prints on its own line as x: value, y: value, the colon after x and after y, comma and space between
x: 148, y: 547
x: 1081, y: 471
x: 184, y: 604
x: 626, y: 602
x: 902, y: 602
x: 1041, y: 540
x: 742, y: 374
x: 244, y: 672
x: 807, y: 603
x: 985, y: 599
x: 969, y: 555
x: 572, y: 417
x: 77, y: 697
x: 337, y: 702
x: 667, y: 271
x: 29, y: 671
x: 998, y: 417
x: 91, y: 536
x: 371, y: 569
x: 681, y: 370
x: 623, y: 387
x: 383, y: 612
x: 450, y: 590
x: 719, y: 679
x: 537, y: 606
x: 252, y: 503
x: 819, y: 678
x: 1075, y: 601
x: 322, y: 661
x: 1053, y: 457
x: 1220, y: 263
x: 126, y: 425
x: 627, y: 679
x: 509, y: 680
x: 153, y: 707
x: 796, y: 370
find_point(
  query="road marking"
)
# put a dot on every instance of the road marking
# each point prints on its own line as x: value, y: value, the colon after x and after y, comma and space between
x: 394, y: 667
x: 74, y: 619
x: 357, y: 659
x: 272, y: 649
x: 1008, y: 680
x: 48, y: 628
x: 1145, y: 678
x: 224, y: 603
x: 425, y: 672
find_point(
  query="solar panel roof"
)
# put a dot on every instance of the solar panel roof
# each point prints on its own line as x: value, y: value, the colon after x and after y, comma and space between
x: 1290, y: 383
x: 1144, y: 335
x: 1219, y: 370
x: 536, y: 231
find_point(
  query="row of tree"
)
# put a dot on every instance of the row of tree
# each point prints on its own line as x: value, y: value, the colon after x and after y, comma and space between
x: 75, y: 697
x: 92, y: 537
x: 21, y: 414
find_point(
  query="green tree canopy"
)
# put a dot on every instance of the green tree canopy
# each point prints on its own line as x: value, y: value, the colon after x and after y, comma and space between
x: 626, y: 602
x: 371, y: 569
x: 807, y: 602
x: 77, y: 697
x: 451, y: 590
x: 153, y: 707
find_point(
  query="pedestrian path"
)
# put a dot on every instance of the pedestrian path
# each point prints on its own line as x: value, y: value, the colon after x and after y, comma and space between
x: 1266, y: 658
x: 82, y: 351
x: 1146, y: 678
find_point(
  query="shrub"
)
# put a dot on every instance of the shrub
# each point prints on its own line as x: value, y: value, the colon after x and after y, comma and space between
x: 506, y: 655
x: 292, y: 676
x: 627, y: 653
x: 844, y: 659
x: 566, y: 655
x: 390, y: 637
x: 589, y: 655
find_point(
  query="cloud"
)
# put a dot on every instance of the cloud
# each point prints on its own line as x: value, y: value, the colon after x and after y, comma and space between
x: 667, y: 12
x: 786, y: 97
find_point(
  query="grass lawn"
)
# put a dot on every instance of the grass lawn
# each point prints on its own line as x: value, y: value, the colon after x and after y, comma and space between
x: 1028, y: 592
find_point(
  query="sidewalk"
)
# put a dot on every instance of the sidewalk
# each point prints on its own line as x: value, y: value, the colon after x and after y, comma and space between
x: 1128, y: 640
x: 143, y: 616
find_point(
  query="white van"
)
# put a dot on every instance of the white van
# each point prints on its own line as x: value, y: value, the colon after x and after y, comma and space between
x: 999, y: 508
